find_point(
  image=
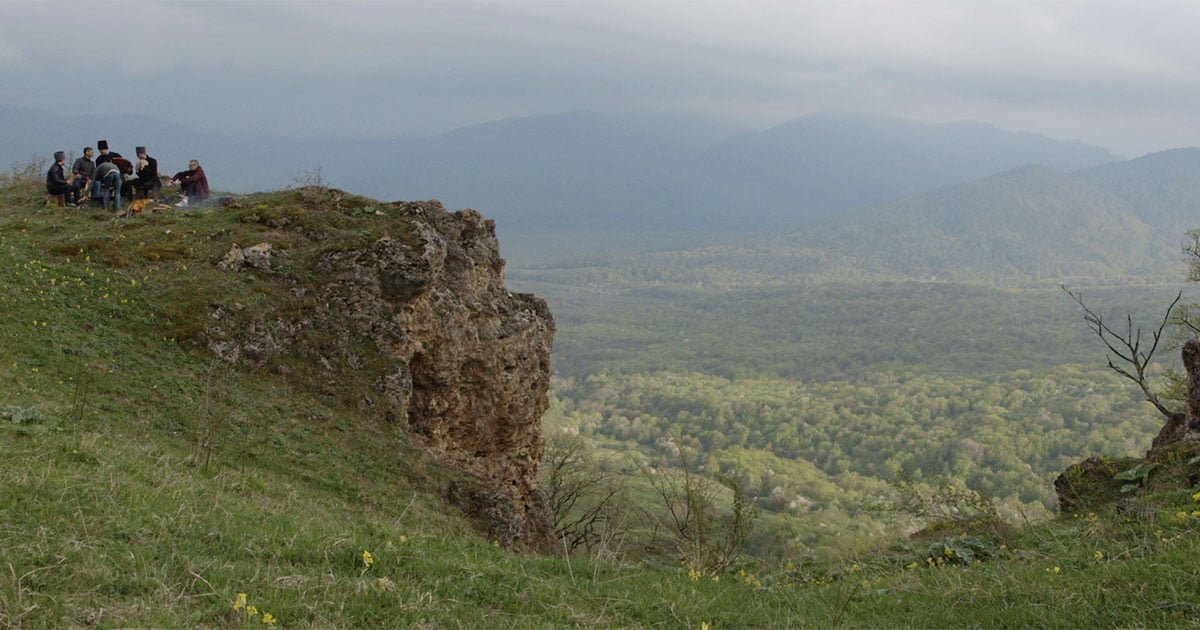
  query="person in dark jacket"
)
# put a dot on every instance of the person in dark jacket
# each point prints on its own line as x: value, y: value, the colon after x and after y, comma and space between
x: 84, y: 167
x: 57, y: 182
x: 105, y: 154
x: 193, y: 183
x: 146, y: 184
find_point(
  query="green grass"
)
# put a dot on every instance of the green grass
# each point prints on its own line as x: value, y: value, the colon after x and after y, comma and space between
x: 145, y: 485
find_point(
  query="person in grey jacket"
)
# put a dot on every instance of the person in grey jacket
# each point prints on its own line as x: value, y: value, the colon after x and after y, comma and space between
x: 84, y: 167
x: 109, y: 180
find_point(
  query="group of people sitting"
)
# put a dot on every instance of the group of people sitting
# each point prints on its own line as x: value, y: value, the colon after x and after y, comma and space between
x: 107, y: 178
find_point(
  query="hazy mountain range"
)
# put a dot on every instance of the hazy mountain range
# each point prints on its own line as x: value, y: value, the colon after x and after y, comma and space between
x: 1117, y: 222
x: 592, y: 170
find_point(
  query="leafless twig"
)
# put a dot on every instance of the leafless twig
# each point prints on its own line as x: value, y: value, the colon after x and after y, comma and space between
x: 1127, y: 347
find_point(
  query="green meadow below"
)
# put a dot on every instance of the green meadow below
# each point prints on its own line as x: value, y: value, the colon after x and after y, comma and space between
x: 144, y: 484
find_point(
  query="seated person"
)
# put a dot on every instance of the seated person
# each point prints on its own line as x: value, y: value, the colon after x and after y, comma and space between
x: 57, y: 182
x: 146, y: 184
x: 109, y: 180
x: 84, y: 167
x: 105, y: 154
x: 192, y: 183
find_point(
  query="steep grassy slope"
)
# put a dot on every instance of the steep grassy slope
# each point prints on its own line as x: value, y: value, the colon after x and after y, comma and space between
x: 142, y: 484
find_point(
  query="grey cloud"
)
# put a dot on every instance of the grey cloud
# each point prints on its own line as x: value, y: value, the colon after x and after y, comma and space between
x: 363, y: 69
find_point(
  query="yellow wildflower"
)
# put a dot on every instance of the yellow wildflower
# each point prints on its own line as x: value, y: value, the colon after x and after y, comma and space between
x: 269, y: 619
x: 367, y: 559
x: 240, y: 602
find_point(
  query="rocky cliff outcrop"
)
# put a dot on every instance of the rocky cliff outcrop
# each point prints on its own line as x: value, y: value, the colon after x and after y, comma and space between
x: 421, y: 321
x: 1172, y: 461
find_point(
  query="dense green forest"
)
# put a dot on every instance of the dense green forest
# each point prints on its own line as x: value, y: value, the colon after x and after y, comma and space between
x: 819, y: 398
x: 833, y: 331
x: 1007, y: 436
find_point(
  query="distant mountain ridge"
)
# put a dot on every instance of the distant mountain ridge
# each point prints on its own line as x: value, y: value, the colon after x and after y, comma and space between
x: 828, y: 164
x: 1119, y: 221
x: 589, y: 170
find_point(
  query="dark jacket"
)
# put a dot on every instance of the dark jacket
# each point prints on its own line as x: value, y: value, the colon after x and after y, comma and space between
x: 147, y: 177
x: 193, y: 183
x: 56, y: 180
x: 84, y: 167
x: 101, y: 158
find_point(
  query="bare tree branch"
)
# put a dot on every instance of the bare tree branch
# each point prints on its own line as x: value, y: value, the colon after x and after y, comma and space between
x: 1127, y: 347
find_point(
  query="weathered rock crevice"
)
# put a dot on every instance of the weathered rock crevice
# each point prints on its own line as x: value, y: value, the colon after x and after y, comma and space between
x: 448, y: 352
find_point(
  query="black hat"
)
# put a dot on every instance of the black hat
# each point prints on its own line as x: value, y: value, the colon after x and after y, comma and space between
x: 139, y: 150
x: 59, y: 156
x: 102, y: 144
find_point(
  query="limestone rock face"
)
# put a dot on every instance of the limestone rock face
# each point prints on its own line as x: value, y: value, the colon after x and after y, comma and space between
x: 425, y: 319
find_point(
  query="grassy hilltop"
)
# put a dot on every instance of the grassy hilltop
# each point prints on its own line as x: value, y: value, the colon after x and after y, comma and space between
x: 143, y: 483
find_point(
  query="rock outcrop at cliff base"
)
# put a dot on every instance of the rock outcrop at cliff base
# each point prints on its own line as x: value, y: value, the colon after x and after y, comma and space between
x: 424, y: 317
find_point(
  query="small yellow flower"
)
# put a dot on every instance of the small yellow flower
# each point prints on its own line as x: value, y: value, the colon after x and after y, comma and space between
x: 1099, y: 555
x: 240, y: 602
x: 269, y: 619
x: 1196, y: 497
x: 367, y: 559
x: 1054, y: 570
x: 911, y: 565
x: 1181, y: 516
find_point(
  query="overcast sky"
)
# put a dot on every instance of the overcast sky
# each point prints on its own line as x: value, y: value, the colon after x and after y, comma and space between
x: 1122, y: 75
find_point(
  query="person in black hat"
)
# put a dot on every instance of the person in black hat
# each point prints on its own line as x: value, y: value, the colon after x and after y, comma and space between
x: 57, y: 182
x: 105, y: 154
x: 146, y: 184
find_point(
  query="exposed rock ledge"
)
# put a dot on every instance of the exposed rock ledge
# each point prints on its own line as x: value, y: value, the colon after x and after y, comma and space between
x: 426, y: 317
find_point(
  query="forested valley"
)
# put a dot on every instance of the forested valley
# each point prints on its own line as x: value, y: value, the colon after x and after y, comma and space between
x: 822, y: 400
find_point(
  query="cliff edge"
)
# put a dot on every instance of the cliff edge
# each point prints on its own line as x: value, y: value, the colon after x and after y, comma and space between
x: 400, y: 309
